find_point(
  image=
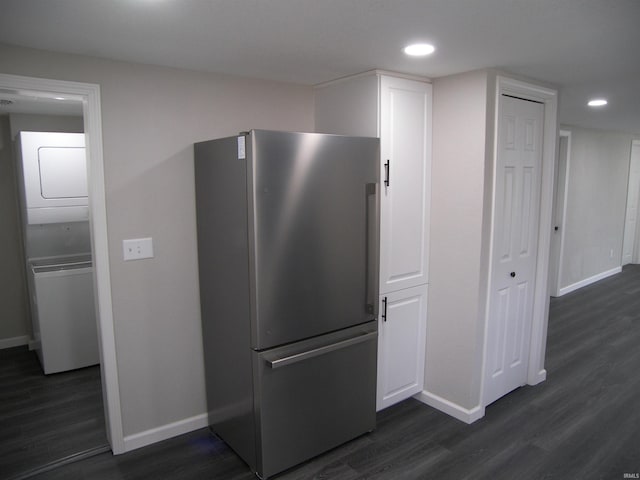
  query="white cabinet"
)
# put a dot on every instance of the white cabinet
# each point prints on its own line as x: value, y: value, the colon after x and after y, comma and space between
x: 401, y: 339
x: 398, y: 110
x: 405, y: 150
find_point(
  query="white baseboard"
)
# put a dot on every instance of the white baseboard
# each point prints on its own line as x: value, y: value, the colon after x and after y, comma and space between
x: 14, y: 342
x: 538, y: 377
x: 456, y: 411
x: 588, y: 281
x: 164, y: 432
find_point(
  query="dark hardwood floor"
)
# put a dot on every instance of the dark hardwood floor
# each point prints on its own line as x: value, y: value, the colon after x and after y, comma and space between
x: 583, y: 422
x: 44, y: 419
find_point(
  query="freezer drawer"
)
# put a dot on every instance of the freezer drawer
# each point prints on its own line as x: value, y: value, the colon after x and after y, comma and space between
x: 314, y: 395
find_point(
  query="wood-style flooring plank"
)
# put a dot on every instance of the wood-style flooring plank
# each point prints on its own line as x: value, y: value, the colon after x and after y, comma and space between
x: 45, y: 418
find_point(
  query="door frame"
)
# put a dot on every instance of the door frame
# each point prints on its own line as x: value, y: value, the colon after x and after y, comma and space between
x: 635, y: 251
x: 89, y: 95
x: 536, y: 372
x: 635, y: 256
x: 557, y: 270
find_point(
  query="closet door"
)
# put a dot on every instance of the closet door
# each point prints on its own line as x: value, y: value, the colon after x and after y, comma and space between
x: 515, y: 248
x: 405, y: 146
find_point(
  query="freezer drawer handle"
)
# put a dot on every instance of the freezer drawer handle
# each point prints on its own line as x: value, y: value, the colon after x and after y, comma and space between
x: 299, y: 357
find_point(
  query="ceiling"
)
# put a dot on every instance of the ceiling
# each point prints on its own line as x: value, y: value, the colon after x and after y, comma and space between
x: 11, y: 102
x: 587, y: 48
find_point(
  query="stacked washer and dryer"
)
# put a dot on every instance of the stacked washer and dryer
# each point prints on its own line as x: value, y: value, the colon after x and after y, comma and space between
x: 55, y: 213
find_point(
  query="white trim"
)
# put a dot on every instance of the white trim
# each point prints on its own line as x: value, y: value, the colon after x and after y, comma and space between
x: 453, y: 409
x: 89, y: 94
x: 563, y: 229
x: 164, y: 432
x: 537, y: 347
x: 378, y: 72
x: 14, y: 342
x: 540, y: 377
x: 635, y: 250
x: 635, y: 255
x: 588, y: 281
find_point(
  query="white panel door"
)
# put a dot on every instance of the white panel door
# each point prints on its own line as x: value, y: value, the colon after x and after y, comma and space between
x: 515, y: 234
x: 401, y: 345
x: 405, y: 147
x: 631, y: 219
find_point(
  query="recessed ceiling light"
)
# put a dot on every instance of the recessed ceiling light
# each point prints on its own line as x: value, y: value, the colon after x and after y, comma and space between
x: 59, y: 98
x: 419, y: 49
x: 598, y: 102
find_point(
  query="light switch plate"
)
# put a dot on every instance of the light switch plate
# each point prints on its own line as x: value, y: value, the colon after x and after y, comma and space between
x: 137, y: 248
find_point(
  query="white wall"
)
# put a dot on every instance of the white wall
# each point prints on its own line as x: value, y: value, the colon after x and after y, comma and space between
x: 151, y: 117
x: 461, y: 188
x: 596, y: 203
x: 45, y: 123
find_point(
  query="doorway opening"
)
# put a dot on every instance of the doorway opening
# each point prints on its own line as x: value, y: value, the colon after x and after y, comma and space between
x: 560, y: 192
x: 539, y: 299
x: 88, y: 96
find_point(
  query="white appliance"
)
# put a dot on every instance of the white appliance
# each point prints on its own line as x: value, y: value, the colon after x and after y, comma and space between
x: 54, y: 177
x: 63, y: 313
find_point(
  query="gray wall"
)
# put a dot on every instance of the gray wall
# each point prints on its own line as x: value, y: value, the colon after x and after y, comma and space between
x: 13, y: 300
x: 151, y: 116
x: 596, y: 203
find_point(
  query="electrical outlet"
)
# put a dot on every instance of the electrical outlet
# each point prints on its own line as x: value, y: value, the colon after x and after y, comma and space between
x: 611, y: 253
x: 137, y: 248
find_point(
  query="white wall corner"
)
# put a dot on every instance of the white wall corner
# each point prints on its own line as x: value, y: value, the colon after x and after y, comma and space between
x: 164, y: 432
x: 589, y: 281
x: 453, y: 409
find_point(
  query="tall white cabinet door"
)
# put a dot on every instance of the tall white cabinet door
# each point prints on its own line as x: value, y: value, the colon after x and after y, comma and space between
x: 405, y: 147
x: 401, y: 341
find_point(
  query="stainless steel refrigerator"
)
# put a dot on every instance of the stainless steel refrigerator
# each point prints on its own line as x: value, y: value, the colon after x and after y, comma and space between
x: 288, y: 263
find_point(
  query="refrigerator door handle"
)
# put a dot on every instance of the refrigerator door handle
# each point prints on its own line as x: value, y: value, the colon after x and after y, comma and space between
x: 299, y: 357
x: 387, y: 171
x: 372, y: 248
x: 384, y: 310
